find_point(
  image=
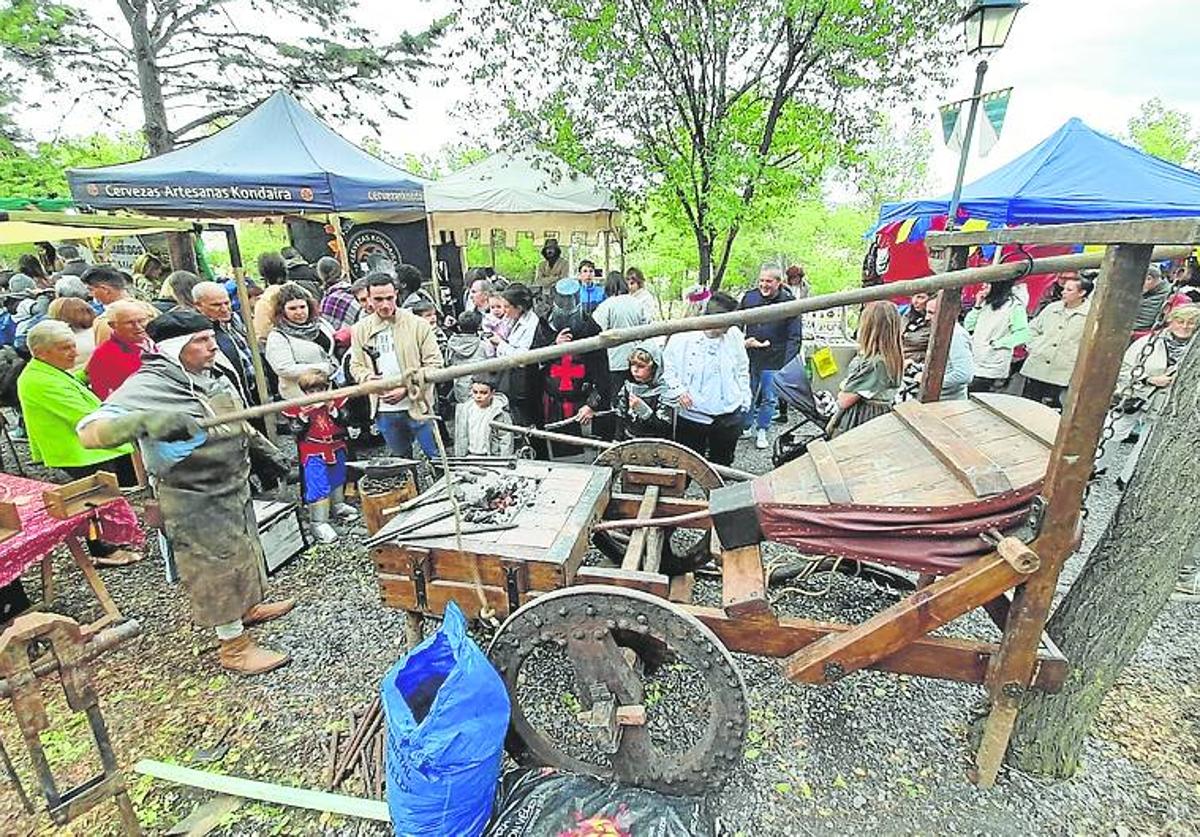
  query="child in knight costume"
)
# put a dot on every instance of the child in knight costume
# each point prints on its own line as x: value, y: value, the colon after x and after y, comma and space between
x: 201, y: 480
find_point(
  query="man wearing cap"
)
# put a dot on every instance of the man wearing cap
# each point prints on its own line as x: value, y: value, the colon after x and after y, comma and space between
x: 108, y: 285
x: 201, y: 479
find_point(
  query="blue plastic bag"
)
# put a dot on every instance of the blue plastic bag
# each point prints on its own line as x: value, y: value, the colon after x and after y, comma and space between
x: 447, y: 715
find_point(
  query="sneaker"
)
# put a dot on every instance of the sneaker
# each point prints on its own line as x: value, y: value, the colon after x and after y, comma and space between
x: 780, y: 418
x: 748, y: 432
x: 324, y: 533
x: 344, y: 511
x: 760, y: 440
x: 1187, y: 591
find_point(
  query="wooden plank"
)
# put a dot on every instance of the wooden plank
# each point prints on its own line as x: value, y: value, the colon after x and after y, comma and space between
x: 744, y: 586
x: 637, y: 540
x: 941, y: 333
x: 400, y: 592
x: 1164, y: 231
x: 1001, y: 407
x: 84, y: 561
x: 1105, y: 338
x: 333, y: 803
x: 624, y: 506
x: 670, y: 480
x: 891, y: 629
x: 979, y: 473
x: 681, y: 588
x: 829, y: 473
x: 655, y: 583
x: 944, y: 658
x: 449, y: 564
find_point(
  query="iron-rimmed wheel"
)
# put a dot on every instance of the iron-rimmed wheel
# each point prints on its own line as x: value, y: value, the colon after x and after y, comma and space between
x: 661, y: 453
x: 653, y: 698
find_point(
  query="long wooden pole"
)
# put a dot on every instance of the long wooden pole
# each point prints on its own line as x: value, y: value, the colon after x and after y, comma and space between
x: 762, y: 314
x: 599, y: 444
x: 243, y: 295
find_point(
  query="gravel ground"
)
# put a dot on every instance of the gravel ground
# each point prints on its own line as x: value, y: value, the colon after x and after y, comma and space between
x: 873, y: 752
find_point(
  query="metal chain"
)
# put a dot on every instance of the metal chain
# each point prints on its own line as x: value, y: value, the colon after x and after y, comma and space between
x: 1119, y: 399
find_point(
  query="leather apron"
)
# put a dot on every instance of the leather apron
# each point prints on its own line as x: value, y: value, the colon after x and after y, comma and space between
x: 205, y: 502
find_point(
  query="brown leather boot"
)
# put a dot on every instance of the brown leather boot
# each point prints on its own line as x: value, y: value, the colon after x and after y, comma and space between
x: 266, y: 611
x: 243, y: 656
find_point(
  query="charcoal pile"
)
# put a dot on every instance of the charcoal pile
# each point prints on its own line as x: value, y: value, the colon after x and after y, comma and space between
x: 493, y: 497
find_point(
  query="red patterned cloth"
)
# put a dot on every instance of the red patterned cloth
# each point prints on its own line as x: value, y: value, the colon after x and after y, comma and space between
x: 40, y: 532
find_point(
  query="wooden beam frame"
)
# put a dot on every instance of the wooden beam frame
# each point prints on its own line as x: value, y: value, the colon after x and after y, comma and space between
x: 1105, y: 338
x: 1164, y: 231
x: 942, y: 658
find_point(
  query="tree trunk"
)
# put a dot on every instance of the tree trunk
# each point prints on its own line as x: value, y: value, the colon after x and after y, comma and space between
x: 1123, y: 586
x: 154, y: 117
x: 704, y: 250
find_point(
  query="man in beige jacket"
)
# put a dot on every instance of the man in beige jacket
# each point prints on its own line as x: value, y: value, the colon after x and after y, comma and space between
x: 389, y: 342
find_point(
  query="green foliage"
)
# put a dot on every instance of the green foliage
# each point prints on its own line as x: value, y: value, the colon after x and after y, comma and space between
x: 712, y: 113
x: 42, y: 173
x: 826, y: 240
x: 517, y: 263
x: 197, y: 56
x: 893, y: 164
x: 447, y: 159
x: 253, y: 240
x: 1165, y: 132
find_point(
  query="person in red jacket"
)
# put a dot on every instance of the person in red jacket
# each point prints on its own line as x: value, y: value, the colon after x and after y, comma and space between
x: 120, y: 355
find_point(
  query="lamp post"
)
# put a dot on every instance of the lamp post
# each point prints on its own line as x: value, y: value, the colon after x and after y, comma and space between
x: 986, y: 24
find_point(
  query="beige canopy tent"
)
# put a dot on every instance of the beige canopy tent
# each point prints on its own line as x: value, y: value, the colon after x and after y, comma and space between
x: 527, y: 193
x: 26, y: 227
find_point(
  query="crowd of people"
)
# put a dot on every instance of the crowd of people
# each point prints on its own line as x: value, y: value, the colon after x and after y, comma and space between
x: 95, y: 347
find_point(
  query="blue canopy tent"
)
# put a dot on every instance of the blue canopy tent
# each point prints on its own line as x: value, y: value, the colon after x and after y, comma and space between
x: 1076, y: 174
x: 277, y: 159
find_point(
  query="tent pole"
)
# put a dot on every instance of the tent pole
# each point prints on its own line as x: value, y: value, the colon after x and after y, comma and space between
x: 239, y: 279
x: 343, y: 256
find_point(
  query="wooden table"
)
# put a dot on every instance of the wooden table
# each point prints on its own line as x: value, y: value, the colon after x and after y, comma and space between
x: 41, y: 533
x: 541, y: 553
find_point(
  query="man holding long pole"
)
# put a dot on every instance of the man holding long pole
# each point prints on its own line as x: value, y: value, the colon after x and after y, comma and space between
x: 201, y: 480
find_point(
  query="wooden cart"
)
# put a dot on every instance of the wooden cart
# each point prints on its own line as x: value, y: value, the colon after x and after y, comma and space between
x: 918, y: 488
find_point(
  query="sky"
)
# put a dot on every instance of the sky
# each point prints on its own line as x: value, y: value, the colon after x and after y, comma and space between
x: 1096, y: 59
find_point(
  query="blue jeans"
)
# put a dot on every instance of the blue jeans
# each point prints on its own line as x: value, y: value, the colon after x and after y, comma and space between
x: 399, y: 429
x: 762, y: 393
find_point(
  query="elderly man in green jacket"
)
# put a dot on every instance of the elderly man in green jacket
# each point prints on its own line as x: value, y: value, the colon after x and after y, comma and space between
x: 52, y: 401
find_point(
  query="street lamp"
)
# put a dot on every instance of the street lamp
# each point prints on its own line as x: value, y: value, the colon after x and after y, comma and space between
x: 986, y: 24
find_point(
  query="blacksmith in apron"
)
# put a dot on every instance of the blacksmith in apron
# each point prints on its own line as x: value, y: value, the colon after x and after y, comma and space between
x: 201, y: 479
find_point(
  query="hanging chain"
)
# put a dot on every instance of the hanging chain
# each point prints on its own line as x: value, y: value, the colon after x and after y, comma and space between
x: 1119, y: 399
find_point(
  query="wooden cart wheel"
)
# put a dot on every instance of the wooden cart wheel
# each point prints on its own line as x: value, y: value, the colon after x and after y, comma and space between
x: 624, y: 685
x: 661, y: 453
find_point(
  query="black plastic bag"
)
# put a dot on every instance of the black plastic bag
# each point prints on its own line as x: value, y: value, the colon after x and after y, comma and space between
x: 544, y: 802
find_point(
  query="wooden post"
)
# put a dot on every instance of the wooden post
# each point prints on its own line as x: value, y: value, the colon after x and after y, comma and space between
x: 239, y: 278
x: 607, y: 257
x: 1105, y: 338
x: 343, y: 255
x: 949, y: 305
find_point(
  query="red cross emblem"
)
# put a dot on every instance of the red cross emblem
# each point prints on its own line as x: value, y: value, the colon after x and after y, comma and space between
x: 566, y: 372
